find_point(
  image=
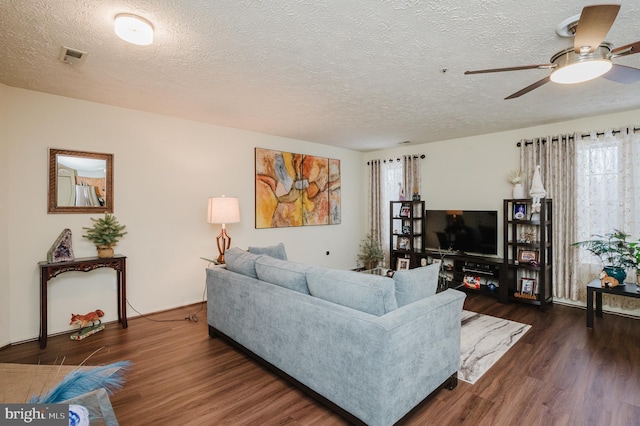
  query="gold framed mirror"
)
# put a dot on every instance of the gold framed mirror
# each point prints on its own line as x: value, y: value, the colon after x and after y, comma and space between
x: 80, y: 182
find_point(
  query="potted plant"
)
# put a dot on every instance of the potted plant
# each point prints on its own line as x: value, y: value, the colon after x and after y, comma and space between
x: 370, y: 252
x: 636, y: 252
x: 105, y: 233
x: 614, y: 251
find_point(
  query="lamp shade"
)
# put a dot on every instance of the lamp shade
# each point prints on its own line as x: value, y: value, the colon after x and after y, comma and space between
x: 577, y: 67
x: 581, y: 71
x: 223, y: 210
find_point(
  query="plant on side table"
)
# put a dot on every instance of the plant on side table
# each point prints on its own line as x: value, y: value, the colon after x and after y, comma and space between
x: 105, y: 233
x: 636, y: 253
x: 614, y: 251
x: 370, y: 252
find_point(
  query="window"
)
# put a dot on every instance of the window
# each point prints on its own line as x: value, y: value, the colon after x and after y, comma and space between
x: 608, y: 186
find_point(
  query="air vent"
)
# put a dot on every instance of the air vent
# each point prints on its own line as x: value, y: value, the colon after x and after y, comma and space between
x: 72, y: 56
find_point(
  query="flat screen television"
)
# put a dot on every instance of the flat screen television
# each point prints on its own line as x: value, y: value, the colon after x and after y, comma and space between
x: 468, y: 231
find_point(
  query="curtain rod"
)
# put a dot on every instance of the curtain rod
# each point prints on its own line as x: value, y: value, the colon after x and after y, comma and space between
x: 584, y: 135
x: 390, y: 160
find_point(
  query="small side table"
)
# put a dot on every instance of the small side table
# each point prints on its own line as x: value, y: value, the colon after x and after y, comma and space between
x: 594, y: 288
x: 50, y: 270
x: 211, y: 260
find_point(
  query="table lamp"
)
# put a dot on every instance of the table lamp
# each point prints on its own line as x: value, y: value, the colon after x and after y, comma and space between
x: 223, y: 210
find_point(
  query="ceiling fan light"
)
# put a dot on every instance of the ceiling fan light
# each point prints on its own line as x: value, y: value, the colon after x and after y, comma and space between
x: 579, y: 72
x: 134, y: 29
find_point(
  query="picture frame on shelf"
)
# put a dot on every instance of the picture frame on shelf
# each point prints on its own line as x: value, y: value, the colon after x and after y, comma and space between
x: 406, y: 229
x: 519, y: 211
x: 405, y: 210
x: 403, y: 243
x: 527, y: 286
x: 403, y: 264
x: 527, y: 256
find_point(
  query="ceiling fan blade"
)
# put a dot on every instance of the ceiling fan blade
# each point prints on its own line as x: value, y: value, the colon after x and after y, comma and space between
x: 627, y: 49
x: 523, y: 67
x: 594, y: 24
x: 623, y: 74
x: 530, y: 88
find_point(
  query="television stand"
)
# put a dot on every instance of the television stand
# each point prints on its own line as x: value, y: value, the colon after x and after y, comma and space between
x: 462, y: 271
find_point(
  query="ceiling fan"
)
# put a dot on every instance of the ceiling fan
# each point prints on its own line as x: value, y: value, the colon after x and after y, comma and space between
x: 590, y: 56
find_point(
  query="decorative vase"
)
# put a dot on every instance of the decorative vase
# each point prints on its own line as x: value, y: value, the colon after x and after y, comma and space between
x: 616, y: 272
x: 518, y: 191
x: 105, y: 251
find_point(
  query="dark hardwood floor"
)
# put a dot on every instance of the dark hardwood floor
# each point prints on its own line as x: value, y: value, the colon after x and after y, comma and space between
x: 559, y: 373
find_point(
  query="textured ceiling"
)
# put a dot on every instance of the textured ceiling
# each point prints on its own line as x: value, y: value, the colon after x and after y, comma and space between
x: 359, y: 74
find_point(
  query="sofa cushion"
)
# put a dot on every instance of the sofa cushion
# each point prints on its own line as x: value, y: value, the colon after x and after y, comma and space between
x: 286, y: 274
x: 276, y: 251
x: 367, y: 293
x: 241, y: 262
x: 416, y: 284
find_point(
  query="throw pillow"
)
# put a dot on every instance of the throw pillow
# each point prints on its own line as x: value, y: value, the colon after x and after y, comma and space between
x: 367, y: 293
x: 416, y: 284
x: 276, y: 251
x: 286, y: 274
x: 241, y: 262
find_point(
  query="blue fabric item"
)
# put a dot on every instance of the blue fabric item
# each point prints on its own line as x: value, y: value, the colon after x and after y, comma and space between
x: 276, y: 251
x: 376, y: 368
x: 80, y: 381
x: 242, y: 262
x: 416, y: 284
x: 365, y: 292
x: 283, y: 273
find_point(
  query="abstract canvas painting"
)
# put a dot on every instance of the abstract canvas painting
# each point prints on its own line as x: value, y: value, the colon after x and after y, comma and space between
x: 296, y: 190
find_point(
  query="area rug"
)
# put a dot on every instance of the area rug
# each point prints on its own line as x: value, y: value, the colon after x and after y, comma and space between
x: 21, y: 381
x: 484, y: 339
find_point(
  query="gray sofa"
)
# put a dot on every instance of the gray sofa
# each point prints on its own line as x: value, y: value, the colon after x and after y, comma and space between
x: 371, y: 347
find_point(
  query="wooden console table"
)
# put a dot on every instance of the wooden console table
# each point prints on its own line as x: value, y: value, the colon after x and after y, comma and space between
x: 594, y: 288
x: 50, y: 270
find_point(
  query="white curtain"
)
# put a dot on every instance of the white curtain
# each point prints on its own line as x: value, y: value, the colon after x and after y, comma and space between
x: 375, y: 204
x: 386, y: 179
x: 411, y: 175
x: 593, y: 184
x: 608, y: 194
x: 392, y: 178
x: 556, y: 157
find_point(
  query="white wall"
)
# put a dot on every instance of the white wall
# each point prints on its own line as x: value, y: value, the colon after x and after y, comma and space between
x: 165, y: 169
x: 5, y: 288
x: 472, y: 173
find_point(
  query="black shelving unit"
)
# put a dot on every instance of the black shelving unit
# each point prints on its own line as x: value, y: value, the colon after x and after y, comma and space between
x: 528, y: 252
x: 407, y: 229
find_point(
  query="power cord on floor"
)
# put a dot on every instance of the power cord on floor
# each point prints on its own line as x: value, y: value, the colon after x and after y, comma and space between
x: 192, y: 317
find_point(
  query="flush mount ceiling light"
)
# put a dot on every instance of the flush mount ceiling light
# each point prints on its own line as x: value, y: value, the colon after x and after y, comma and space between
x: 572, y: 67
x: 134, y: 29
